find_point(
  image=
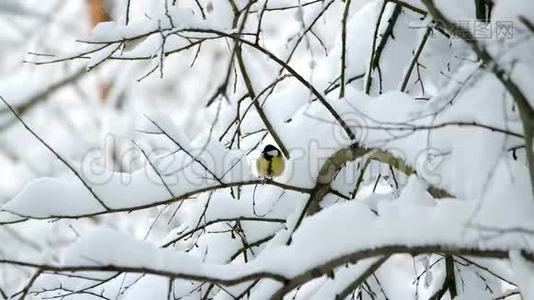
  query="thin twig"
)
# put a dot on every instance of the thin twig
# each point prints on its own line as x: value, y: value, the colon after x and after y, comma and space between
x: 208, y: 223
x: 193, y: 157
x: 128, y: 11
x: 344, y: 47
x: 56, y: 155
x: 368, y: 78
x: 415, y: 58
x: 360, y: 279
x: 28, y: 285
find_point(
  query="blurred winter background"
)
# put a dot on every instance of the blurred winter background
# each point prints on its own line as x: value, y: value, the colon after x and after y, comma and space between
x: 81, y: 113
x: 91, y: 118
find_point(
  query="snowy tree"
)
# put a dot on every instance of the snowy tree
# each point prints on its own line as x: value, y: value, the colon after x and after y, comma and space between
x: 406, y: 127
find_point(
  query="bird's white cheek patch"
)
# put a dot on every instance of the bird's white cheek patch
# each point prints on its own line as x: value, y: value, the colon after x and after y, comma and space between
x: 272, y: 153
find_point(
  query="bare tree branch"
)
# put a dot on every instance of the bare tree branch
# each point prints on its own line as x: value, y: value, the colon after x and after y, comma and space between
x: 184, y: 196
x: 257, y: 105
x: 289, y: 283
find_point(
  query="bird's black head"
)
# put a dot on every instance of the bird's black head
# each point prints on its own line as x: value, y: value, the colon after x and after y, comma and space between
x: 270, y: 151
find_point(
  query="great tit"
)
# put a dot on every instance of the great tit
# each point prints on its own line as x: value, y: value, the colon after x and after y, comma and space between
x: 270, y: 163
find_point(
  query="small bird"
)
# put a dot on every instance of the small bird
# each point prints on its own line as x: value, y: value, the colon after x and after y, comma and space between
x: 270, y: 163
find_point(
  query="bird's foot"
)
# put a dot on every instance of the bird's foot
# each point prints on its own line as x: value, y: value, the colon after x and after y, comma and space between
x: 265, y: 179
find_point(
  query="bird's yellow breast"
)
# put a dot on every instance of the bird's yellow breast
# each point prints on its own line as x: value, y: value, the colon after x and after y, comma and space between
x: 270, y: 168
x: 277, y: 166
